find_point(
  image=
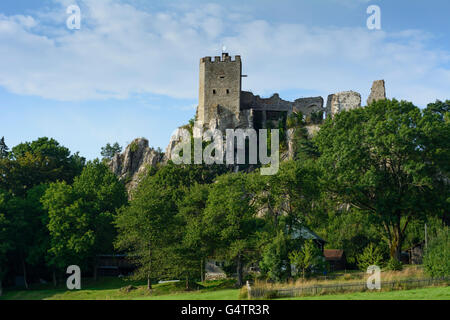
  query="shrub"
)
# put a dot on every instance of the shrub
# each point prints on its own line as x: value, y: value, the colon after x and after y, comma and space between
x: 370, y: 256
x: 437, y: 256
x: 394, y: 265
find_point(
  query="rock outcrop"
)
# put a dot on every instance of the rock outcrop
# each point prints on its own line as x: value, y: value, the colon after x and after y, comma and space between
x: 134, y: 162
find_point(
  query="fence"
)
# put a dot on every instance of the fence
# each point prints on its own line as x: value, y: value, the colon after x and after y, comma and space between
x: 268, y: 293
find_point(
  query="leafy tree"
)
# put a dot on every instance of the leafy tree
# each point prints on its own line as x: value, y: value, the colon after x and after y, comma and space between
x: 437, y: 256
x: 150, y: 229
x: 81, y: 216
x: 194, y: 239
x: 109, y: 151
x: 6, y: 239
x: 3, y: 148
x: 370, y: 256
x: 231, y: 218
x: 308, y: 257
x: 39, y: 162
x: 379, y: 160
x: 274, y: 258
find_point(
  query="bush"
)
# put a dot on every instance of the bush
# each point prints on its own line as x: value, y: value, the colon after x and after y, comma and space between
x: 436, y: 260
x: 394, y: 265
x: 370, y: 256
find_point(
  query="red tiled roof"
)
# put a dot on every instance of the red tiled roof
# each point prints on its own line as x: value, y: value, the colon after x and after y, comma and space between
x: 333, y: 254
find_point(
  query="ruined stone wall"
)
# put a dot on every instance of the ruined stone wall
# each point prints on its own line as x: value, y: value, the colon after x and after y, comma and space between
x: 378, y: 91
x: 343, y: 101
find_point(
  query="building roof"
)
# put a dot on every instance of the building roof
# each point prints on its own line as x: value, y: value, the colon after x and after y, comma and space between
x: 306, y: 233
x: 333, y: 254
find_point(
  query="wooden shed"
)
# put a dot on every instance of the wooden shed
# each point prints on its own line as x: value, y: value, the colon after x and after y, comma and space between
x: 335, y: 258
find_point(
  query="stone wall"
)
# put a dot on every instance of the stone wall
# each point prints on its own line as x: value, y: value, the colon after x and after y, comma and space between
x: 343, y: 101
x: 378, y: 92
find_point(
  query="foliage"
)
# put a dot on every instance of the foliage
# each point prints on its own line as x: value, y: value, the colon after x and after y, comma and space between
x: 371, y: 256
x: 379, y: 159
x: 274, y: 261
x: 109, y: 151
x: 394, y: 265
x: 437, y: 256
x: 41, y: 161
x: 308, y: 258
x: 3, y: 148
x: 231, y: 219
x: 81, y: 215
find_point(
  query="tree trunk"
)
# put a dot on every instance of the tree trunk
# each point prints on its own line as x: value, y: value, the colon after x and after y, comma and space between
x: 187, y: 283
x: 95, y: 269
x: 55, y: 282
x: 239, y: 270
x: 202, y: 273
x: 395, y: 245
x: 149, y: 282
x: 24, y: 268
x: 1, y: 282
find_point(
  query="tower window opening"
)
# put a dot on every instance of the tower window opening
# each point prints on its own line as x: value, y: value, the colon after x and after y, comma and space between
x: 214, y: 91
x: 228, y: 91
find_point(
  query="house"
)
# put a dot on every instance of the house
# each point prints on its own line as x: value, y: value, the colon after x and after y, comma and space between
x: 307, y: 234
x: 335, y: 258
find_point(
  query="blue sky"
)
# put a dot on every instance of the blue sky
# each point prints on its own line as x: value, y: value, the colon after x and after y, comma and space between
x: 132, y: 69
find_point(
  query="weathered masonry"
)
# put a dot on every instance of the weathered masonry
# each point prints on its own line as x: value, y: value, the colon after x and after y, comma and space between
x: 223, y: 104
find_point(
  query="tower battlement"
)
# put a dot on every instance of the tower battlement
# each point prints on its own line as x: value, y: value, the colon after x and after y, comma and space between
x: 224, y: 58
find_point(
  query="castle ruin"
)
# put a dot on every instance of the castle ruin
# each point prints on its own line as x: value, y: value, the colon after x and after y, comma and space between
x: 223, y: 105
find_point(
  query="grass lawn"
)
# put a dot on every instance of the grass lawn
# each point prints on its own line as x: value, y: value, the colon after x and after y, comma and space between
x: 435, y: 293
x: 110, y: 289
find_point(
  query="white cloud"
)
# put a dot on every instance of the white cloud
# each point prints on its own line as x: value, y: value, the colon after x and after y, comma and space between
x: 121, y: 50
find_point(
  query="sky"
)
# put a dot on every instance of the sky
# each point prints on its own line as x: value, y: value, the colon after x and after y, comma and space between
x: 131, y: 70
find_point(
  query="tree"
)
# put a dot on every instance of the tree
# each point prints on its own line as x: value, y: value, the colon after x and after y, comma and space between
x: 379, y: 159
x: 437, y: 256
x: 195, y: 243
x: 3, y: 148
x: 230, y: 217
x: 274, y: 258
x: 308, y: 257
x: 109, y: 151
x: 41, y: 161
x: 370, y: 256
x: 81, y: 216
x: 6, y: 239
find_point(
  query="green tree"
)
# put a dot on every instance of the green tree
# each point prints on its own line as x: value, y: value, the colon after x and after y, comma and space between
x: 149, y: 229
x: 437, y: 256
x: 3, y: 148
x: 195, y: 243
x: 370, y: 256
x: 308, y: 257
x: 81, y: 216
x: 379, y: 160
x: 230, y: 217
x: 109, y: 151
x: 39, y: 162
x: 6, y: 239
x: 274, y: 260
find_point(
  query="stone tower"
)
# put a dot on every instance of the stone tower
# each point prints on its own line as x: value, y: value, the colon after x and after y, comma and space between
x: 220, y: 89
